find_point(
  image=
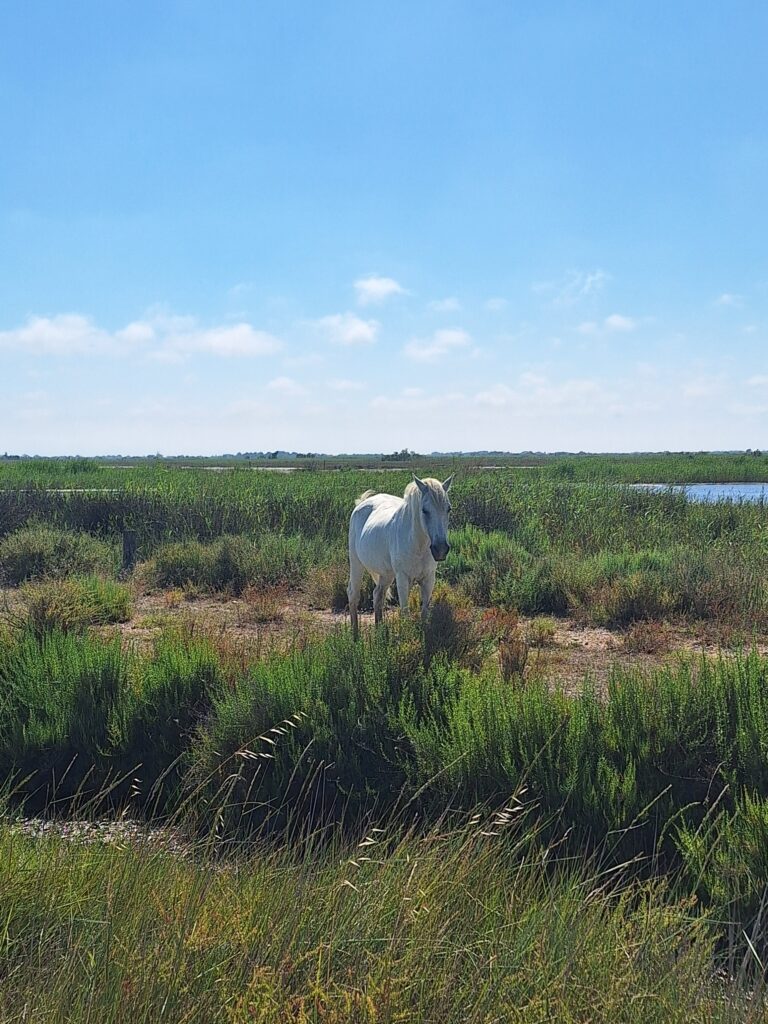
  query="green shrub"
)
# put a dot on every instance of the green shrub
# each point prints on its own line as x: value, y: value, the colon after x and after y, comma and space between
x: 155, y: 722
x: 38, y: 551
x: 541, y: 631
x: 233, y: 563
x: 75, y: 603
x: 58, y: 694
x: 726, y: 863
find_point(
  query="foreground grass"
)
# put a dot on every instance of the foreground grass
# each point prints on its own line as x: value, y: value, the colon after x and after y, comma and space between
x: 468, y: 926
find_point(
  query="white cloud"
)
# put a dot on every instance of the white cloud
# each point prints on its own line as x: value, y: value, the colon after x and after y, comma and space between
x: 533, y: 393
x: 702, y: 387
x: 62, y: 335
x: 287, y: 386
x: 238, y: 340
x: 574, y: 287
x: 341, y: 384
x: 373, y: 289
x: 438, y: 345
x: 496, y: 304
x: 760, y: 380
x: 161, y: 336
x: 449, y: 305
x: 617, y: 322
x: 498, y: 395
x: 729, y: 299
x: 349, y: 329
x: 588, y: 327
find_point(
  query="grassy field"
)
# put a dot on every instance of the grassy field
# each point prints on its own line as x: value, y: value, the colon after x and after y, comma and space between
x: 426, y: 825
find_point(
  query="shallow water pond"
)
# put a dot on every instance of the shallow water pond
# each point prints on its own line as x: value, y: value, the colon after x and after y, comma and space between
x: 715, y: 492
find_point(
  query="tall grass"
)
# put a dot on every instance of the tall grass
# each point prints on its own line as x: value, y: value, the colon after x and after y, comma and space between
x: 456, y: 927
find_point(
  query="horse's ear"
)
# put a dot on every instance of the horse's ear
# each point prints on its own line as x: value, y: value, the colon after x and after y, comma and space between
x: 447, y: 483
x: 420, y: 484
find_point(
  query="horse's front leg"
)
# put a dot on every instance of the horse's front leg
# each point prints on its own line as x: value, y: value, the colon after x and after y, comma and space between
x: 426, y: 586
x: 403, y: 590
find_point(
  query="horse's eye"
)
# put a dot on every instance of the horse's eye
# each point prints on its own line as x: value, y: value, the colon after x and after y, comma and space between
x: 426, y: 513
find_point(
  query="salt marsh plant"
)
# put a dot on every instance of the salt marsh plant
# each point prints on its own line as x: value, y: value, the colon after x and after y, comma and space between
x: 40, y: 550
x: 75, y: 603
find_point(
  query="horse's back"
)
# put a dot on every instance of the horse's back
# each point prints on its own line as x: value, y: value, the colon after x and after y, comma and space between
x: 370, y: 530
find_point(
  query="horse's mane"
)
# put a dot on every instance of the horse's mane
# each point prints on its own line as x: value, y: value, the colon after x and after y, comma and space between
x: 364, y: 496
x: 412, y: 495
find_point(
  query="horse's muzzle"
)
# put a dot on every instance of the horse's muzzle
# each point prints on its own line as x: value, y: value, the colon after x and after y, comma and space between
x: 440, y: 550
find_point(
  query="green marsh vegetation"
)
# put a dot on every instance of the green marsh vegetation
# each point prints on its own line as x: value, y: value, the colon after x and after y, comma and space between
x: 367, y: 830
x: 523, y: 539
x: 407, y: 825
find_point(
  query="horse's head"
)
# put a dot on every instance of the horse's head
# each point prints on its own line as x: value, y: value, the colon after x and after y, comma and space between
x: 435, y: 509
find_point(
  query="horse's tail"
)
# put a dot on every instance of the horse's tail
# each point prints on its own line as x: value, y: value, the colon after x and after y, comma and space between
x: 364, y: 496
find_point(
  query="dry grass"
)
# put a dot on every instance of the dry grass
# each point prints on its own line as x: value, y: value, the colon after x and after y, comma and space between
x: 262, y: 604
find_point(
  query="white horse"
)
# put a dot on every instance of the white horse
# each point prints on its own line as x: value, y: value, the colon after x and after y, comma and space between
x: 399, y: 539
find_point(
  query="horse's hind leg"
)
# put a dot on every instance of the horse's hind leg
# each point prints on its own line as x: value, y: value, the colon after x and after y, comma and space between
x: 380, y: 596
x: 353, y: 589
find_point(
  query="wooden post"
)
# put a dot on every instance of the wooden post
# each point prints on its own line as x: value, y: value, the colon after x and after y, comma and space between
x: 129, y: 550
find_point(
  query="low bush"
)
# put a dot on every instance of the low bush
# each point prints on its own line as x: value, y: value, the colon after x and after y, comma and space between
x: 541, y: 631
x: 233, y: 563
x: 40, y: 551
x: 75, y: 603
x: 726, y: 863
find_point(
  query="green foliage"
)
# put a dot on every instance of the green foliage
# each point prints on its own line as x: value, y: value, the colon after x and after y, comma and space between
x: 463, y: 927
x: 531, y: 540
x: 155, y: 722
x: 58, y: 693
x: 38, y: 551
x: 726, y: 863
x: 373, y: 723
x: 75, y: 603
x: 233, y: 563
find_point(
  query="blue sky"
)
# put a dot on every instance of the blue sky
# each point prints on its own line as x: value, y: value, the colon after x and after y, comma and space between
x: 356, y: 227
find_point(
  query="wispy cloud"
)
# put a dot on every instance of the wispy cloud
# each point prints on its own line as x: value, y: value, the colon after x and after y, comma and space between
x: 341, y: 384
x: 704, y: 386
x: 159, y: 335
x: 238, y: 340
x: 533, y: 393
x: 575, y: 286
x: 438, y: 345
x: 618, y: 322
x: 348, y: 329
x: 287, y: 386
x: 373, y: 290
x: 614, y: 323
x: 729, y: 299
x: 495, y: 304
x: 449, y: 305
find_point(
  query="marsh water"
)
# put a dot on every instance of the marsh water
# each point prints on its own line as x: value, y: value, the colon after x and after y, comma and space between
x: 715, y: 492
